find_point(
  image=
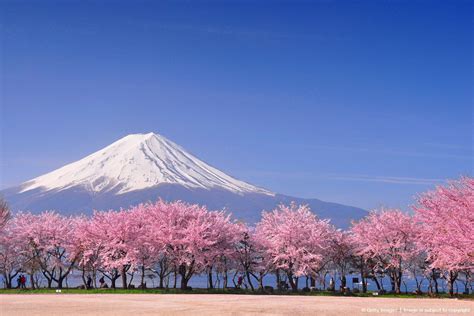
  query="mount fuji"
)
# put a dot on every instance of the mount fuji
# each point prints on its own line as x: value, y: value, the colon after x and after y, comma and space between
x: 144, y: 167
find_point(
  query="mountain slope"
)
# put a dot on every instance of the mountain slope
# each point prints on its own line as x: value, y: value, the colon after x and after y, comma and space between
x: 138, y: 162
x: 145, y: 167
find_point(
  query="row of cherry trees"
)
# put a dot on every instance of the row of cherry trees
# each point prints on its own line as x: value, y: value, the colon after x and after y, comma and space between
x: 178, y: 240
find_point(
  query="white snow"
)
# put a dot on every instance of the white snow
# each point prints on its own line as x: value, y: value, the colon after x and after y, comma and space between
x: 136, y: 162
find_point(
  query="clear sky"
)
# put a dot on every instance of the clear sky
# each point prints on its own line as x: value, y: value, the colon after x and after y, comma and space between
x: 361, y: 102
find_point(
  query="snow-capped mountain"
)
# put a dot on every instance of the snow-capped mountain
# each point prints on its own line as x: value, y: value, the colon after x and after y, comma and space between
x: 138, y: 162
x: 144, y: 167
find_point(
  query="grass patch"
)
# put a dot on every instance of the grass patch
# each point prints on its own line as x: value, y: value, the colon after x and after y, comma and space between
x: 218, y: 291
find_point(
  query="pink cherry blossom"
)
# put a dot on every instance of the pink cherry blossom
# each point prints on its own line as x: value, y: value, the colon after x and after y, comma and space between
x: 296, y: 240
x: 388, y: 238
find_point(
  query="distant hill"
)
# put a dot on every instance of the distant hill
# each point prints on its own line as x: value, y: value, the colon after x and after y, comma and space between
x: 145, y: 167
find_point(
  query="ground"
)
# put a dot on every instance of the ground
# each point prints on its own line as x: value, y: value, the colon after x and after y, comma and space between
x: 205, y: 304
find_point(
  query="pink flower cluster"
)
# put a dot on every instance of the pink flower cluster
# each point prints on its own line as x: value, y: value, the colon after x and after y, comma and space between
x: 175, y: 241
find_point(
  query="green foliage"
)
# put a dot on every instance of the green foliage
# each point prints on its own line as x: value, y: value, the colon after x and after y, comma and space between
x: 218, y: 291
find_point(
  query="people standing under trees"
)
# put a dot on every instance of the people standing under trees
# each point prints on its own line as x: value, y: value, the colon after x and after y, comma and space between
x: 21, y: 282
x: 89, y: 282
x: 239, y: 282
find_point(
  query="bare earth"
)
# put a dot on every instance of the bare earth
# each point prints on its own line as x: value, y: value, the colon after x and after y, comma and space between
x: 201, y: 304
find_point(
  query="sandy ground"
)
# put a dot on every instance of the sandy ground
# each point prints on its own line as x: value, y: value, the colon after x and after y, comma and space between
x: 201, y: 304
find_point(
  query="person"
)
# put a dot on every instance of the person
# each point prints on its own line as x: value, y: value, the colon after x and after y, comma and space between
x: 332, y: 285
x: 23, y: 281
x: 103, y: 285
x: 239, y: 281
x: 18, y: 281
x: 89, y: 282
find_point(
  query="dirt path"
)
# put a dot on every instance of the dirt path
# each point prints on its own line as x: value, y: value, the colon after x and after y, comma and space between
x: 201, y: 304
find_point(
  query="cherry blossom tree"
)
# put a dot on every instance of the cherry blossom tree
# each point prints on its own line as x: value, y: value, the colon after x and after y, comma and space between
x: 114, y: 234
x: 50, y: 240
x: 446, y: 233
x: 89, y: 246
x: 251, y: 254
x: 296, y: 240
x: 341, y: 254
x: 191, y: 235
x: 145, y: 250
x: 11, y: 260
x: 388, y: 238
x: 217, y: 256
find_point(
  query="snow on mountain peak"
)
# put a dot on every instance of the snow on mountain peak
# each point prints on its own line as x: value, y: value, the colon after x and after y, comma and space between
x: 136, y: 162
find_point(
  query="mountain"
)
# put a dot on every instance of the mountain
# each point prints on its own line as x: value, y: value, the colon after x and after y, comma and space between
x: 144, y: 167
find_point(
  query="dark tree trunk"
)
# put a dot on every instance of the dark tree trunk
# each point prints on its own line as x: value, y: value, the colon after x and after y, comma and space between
x: 278, y: 279
x: 377, y: 283
x: 124, y: 277
x: 343, y: 282
x: 226, y: 277
x: 114, y: 278
x: 260, y: 282
x: 435, y: 281
x: 364, y: 284
x: 83, y: 276
x: 184, y: 280
x: 293, y: 282
x: 185, y: 276
x: 9, y: 279
x: 161, y: 281
x: 209, y: 279
x: 50, y: 282
x: 452, y: 278
x: 32, y: 280
x: 142, y: 281
x: 249, y: 280
x: 362, y: 277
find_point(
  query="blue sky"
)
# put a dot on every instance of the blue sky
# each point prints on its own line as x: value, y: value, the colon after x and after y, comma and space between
x: 361, y: 102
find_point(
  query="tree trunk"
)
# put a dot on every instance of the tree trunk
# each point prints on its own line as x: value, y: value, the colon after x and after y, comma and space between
x: 94, y: 278
x: 60, y: 282
x: 364, y: 284
x: 113, y: 280
x: 184, y: 281
x: 435, y: 281
x: 209, y: 279
x: 9, y: 279
x: 32, y: 280
x: 362, y: 278
x: 161, y: 281
x: 184, y: 278
x: 312, y: 282
x: 452, y: 279
x: 396, y: 278
x: 224, y: 284
x: 124, y: 277
x: 343, y: 282
x: 278, y: 280
x: 83, y: 276
x: 142, y: 281
x: 376, y: 283
x: 50, y: 282
x: 293, y: 283
x: 392, y: 281
x: 249, y: 280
